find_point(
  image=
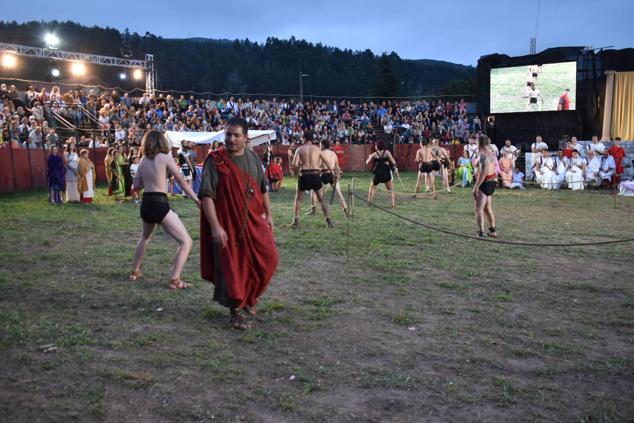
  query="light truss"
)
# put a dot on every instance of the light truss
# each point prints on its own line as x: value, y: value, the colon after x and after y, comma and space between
x: 47, y: 53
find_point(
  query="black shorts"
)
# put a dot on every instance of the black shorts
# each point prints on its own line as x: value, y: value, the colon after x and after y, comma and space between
x: 377, y: 180
x: 309, y: 181
x: 154, y: 207
x: 533, y: 100
x: 445, y: 164
x: 426, y: 167
x: 534, y: 74
x: 488, y: 187
x: 327, y: 178
x: 435, y: 165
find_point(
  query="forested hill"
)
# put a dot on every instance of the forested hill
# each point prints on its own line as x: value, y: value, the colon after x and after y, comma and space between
x: 243, y: 66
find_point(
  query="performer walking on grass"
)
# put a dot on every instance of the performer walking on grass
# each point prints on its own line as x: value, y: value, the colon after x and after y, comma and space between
x: 484, y: 187
x: 428, y: 165
x: 155, y: 209
x: 237, y: 248
x: 330, y: 160
x: 382, y: 165
x: 307, y: 162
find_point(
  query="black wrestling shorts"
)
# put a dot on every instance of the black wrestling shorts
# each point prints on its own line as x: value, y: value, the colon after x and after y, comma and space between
x: 327, y: 178
x: 309, y: 181
x: 435, y: 165
x: 488, y: 187
x: 426, y: 167
x: 533, y: 100
x: 154, y: 207
x: 445, y: 164
x: 534, y: 75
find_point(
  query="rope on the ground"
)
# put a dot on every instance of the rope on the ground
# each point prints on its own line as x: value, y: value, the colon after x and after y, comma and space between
x: 492, y: 240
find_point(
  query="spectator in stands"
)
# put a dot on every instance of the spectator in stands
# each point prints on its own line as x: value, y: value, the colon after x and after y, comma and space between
x: 465, y: 169
x: 539, y: 145
x: 576, y: 146
x: 509, y: 148
x: 71, y: 161
x: 506, y: 169
x: 618, y: 153
x: 559, y: 170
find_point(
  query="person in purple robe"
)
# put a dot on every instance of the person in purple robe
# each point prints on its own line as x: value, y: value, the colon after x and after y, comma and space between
x: 56, y: 176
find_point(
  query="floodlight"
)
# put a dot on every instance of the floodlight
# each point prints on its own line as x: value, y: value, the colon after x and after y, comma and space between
x: 122, y: 75
x: 9, y: 60
x: 52, y: 41
x: 137, y: 74
x: 78, y: 69
x: 55, y: 72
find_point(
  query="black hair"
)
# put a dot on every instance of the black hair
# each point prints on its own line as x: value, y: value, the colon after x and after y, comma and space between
x: 238, y: 121
x: 308, y: 136
x: 325, y: 143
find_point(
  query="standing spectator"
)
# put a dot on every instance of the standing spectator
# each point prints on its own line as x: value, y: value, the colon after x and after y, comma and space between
x: 56, y: 179
x: 185, y: 165
x: 108, y: 168
x: 87, y: 177
x: 71, y: 160
x: 618, y: 153
x: 52, y: 138
x: 116, y: 181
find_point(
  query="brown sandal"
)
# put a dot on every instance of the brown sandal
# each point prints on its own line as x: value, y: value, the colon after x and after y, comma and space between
x: 136, y: 275
x: 250, y: 310
x: 178, y: 283
x: 237, y: 321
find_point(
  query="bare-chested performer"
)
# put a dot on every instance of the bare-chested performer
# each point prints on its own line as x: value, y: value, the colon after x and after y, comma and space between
x: 484, y: 187
x: 444, y: 160
x: 330, y: 160
x: 428, y: 165
x: 307, y: 165
x: 155, y: 209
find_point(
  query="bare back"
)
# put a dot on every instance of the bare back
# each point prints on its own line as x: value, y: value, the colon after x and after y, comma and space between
x: 152, y: 173
x: 307, y: 157
x: 425, y: 154
x: 329, y: 160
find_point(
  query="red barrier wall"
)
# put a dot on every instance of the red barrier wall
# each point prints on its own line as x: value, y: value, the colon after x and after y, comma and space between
x: 19, y: 173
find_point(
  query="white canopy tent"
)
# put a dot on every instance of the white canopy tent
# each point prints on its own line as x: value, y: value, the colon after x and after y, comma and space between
x: 255, y: 137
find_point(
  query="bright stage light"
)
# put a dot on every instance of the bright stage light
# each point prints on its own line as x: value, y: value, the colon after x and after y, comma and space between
x: 55, y: 72
x: 51, y: 40
x: 78, y: 69
x: 137, y: 74
x: 9, y: 60
x: 122, y: 75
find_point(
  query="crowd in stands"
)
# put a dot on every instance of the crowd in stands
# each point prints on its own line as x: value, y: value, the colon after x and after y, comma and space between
x: 28, y: 117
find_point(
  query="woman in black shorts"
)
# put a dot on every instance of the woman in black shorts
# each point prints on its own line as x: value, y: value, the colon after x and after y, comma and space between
x: 382, y: 165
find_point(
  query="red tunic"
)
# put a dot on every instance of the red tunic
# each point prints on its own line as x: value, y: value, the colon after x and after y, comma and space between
x: 250, y: 258
x: 338, y: 149
x: 275, y: 172
x: 618, y: 153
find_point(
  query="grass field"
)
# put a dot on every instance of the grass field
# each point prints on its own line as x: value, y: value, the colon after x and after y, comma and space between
x: 419, y: 326
x: 508, y: 87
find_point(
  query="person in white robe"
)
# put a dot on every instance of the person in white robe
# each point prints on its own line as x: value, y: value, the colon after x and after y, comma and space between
x: 544, y: 170
x: 593, y: 167
x: 575, y: 172
x: 558, y: 176
x: 608, y: 168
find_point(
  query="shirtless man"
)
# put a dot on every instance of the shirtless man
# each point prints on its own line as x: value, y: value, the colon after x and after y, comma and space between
x: 307, y: 164
x: 444, y: 160
x: 426, y: 157
x: 330, y: 161
x: 484, y: 187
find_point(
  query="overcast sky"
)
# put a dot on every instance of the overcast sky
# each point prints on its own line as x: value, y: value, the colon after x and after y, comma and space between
x: 457, y: 31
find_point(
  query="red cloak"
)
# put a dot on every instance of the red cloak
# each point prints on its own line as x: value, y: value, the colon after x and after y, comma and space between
x: 618, y: 153
x: 249, y: 260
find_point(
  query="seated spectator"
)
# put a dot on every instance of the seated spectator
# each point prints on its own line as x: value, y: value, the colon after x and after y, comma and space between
x: 597, y: 146
x: 593, y: 167
x: 518, y: 179
x: 626, y: 188
x: 506, y: 170
x: 608, y: 168
x: 575, y: 172
x: 559, y: 170
x: 464, y: 173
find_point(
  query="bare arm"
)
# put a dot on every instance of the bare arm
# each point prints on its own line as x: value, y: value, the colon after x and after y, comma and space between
x: 325, y: 162
x: 296, y: 162
x: 370, y: 157
x: 481, y: 173
x: 391, y: 159
x: 137, y: 184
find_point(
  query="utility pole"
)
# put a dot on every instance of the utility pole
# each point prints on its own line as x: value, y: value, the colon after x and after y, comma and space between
x: 301, y: 86
x: 533, y: 47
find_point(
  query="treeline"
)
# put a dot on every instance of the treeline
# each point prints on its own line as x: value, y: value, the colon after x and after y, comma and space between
x: 242, y: 65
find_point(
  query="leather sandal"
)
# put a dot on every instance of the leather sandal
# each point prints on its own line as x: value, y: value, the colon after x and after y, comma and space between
x: 136, y: 275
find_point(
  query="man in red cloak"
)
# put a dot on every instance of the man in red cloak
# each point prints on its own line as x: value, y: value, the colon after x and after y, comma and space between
x: 237, y: 248
x: 618, y: 153
x: 338, y: 149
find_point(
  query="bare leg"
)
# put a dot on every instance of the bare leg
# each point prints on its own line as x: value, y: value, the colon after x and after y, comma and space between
x: 488, y: 211
x: 480, y: 203
x: 173, y: 226
x: 432, y: 182
x: 324, y: 206
x: 141, y: 246
x: 388, y: 184
x: 342, y: 200
x: 371, y: 193
x: 298, y: 202
x: 445, y: 178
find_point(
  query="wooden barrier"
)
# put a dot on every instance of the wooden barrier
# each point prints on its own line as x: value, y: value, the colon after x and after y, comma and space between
x: 22, y: 169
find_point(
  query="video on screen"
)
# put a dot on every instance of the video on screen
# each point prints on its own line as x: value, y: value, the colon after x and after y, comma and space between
x: 534, y: 88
